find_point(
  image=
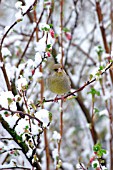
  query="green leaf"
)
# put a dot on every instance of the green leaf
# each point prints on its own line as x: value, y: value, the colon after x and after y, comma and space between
x: 94, y: 92
x: 9, y: 101
x: 66, y: 30
x: 50, y: 116
x: 51, y: 25
x: 45, y: 29
x: 101, y: 68
x: 96, y: 110
x: 48, y: 45
x: 90, y: 76
x: 95, y: 165
x: 100, y: 51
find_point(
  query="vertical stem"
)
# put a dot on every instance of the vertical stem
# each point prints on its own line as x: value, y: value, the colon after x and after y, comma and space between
x: 35, y: 19
x: 61, y: 127
x: 92, y: 125
x: 41, y: 97
x: 61, y: 22
x: 100, y: 18
x: 111, y: 100
x: 4, y: 72
x: 47, y: 150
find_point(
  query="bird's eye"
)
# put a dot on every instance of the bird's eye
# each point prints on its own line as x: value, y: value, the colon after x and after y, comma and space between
x: 55, y: 69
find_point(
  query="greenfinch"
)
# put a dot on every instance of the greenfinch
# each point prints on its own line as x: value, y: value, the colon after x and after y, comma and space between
x: 58, y: 81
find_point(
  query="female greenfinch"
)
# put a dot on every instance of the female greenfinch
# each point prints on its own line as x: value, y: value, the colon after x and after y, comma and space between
x: 58, y: 81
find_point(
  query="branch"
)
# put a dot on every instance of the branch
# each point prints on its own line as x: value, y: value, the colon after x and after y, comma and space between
x: 23, y: 54
x: 85, y: 53
x: 81, y: 88
x: 19, y: 140
x: 4, y: 73
x: 19, y: 167
x: 12, y: 149
x: 4, y: 36
x: 22, y: 114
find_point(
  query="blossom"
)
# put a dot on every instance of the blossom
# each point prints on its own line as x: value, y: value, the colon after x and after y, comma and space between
x: 19, y: 15
x: 38, y: 58
x: 5, y: 52
x: 7, y: 100
x: 18, y: 4
x: 56, y: 136
x: 44, y: 26
x: 22, y: 83
x: 43, y: 115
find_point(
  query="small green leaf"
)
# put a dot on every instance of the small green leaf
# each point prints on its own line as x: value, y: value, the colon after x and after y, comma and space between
x: 45, y: 29
x: 95, y: 165
x: 100, y: 51
x: 90, y: 76
x: 9, y: 101
x: 94, y: 92
x: 96, y: 110
x: 66, y: 30
x: 101, y: 68
x: 48, y: 45
x: 51, y: 25
x: 50, y: 116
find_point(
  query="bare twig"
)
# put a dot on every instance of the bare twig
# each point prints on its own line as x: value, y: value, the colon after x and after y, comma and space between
x: 12, y: 149
x: 61, y: 127
x: 21, y: 113
x: 61, y: 36
x: 23, y: 54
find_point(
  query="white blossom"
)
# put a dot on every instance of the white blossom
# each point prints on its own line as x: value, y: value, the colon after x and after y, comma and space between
x: 5, y: 52
x: 38, y: 58
x: 43, y: 25
x: 19, y: 15
x: 41, y: 44
x: 43, y: 115
x: 56, y: 136
x: 22, y: 82
x: 4, y: 97
x: 37, y: 74
x: 18, y: 4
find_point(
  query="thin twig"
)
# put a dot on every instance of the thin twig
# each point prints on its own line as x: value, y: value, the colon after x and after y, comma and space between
x: 16, y: 167
x: 61, y: 36
x: 79, y: 89
x: 21, y: 113
x: 23, y: 54
x: 61, y: 127
x: 12, y: 149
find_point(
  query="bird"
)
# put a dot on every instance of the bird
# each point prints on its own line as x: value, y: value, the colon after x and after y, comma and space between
x: 58, y: 81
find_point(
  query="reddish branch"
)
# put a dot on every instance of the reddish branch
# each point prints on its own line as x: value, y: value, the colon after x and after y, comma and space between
x: 61, y: 127
x: 61, y: 22
x: 21, y: 113
x: 81, y: 88
x: 85, y: 53
x: 100, y: 18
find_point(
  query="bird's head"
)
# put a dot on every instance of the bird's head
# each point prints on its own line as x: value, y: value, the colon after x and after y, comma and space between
x: 57, y: 68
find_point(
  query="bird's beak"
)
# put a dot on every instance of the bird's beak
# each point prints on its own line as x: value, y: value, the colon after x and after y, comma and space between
x: 59, y: 70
